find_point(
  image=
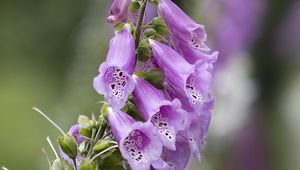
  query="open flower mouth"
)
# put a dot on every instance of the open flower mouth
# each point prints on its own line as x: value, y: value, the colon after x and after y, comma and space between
x: 118, y: 82
x: 137, y: 145
x: 193, y: 92
x: 161, y: 122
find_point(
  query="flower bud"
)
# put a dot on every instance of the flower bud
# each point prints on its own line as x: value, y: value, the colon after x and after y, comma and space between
x: 101, y: 145
x: 85, y: 132
x: 68, y: 145
x: 60, y: 164
x: 104, y: 111
x: 159, y: 25
x: 134, y: 6
x: 87, y: 165
x: 155, y: 77
x: 84, y: 121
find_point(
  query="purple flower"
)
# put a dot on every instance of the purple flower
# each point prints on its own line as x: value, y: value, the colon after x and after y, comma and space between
x: 74, y: 131
x: 163, y: 115
x: 182, y: 26
x: 192, y: 55
x: 191, y: 83
x: 118, y: 11
x: 138, y: 142
x: 114, y: 80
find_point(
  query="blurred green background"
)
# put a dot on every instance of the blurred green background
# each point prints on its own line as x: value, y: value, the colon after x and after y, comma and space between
x: 50, y: 51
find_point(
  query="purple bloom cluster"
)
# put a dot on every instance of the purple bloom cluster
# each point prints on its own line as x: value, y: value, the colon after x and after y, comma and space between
x: 176, y: 117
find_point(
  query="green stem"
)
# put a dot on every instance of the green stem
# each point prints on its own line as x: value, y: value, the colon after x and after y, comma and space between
x: 138, y: 29
x: 75, y: 164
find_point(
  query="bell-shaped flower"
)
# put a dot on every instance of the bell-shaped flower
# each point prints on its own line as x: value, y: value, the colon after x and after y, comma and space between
x: 191, y: 83
x: 165, y: 116
x: 114, y: 80
x: 138, y: 142
x: 182, y: 26
x: 118, y: 11
x: 193, y: 55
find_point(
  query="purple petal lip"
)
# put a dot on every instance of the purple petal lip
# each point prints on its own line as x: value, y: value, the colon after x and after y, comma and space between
x: 187, y: 30
x: 138, y: 142
x: 118, y: 11
x: 114, y: 80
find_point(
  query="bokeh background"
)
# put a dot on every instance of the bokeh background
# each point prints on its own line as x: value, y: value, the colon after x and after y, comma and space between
x: 50, y: 51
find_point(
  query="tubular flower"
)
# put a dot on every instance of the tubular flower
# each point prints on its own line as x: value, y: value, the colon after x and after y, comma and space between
x: 192, y: 55
x: 114, y: 80
x: 191, y: 83
x: 165, y: 116
x: 138, y: 142
x: 186, y: 30
x: 118, y: 11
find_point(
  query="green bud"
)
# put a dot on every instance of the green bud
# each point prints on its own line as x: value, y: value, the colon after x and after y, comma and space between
x: 85, y: 132
x: 60, y: 164
x: 84, y: 121
x: 160, y: 27
x: 88, y: 165
x: 101, y: 145
x: 134, y: 6
x: 150, y: 32
x: 155, y: 77
x: 143, y: 53
x: 104, y: 111
x: 132, y: 111
x: 68, y: 145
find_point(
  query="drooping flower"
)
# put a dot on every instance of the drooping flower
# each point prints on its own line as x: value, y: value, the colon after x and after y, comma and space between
x: 118, y: 11
x: 138, y: 142
x: 191, y: 83
x: 165, y: 116
x: 114, y: 80
x: 182, y: 26
x: 192, y: 55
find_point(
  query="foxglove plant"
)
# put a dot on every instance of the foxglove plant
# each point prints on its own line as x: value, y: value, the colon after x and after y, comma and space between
x: 156, y: 82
